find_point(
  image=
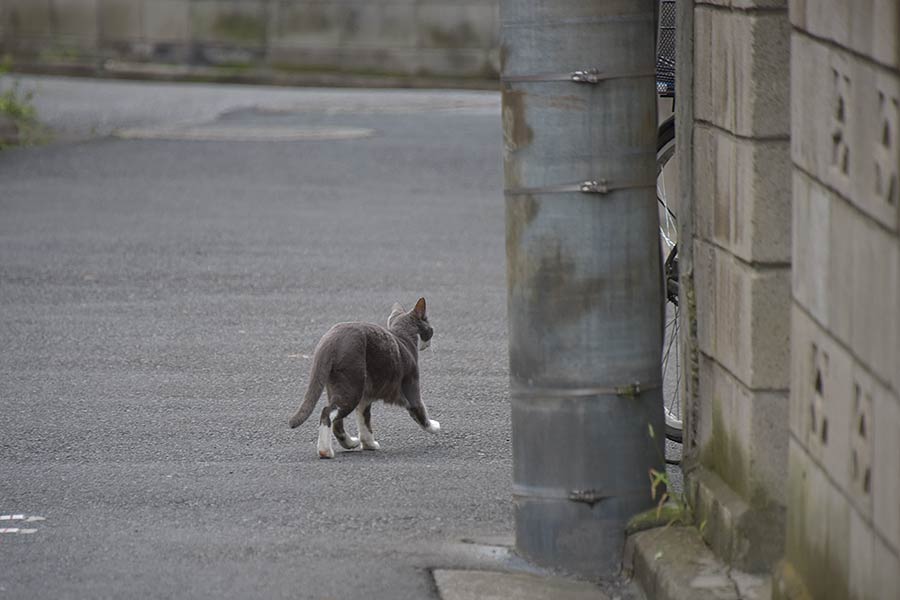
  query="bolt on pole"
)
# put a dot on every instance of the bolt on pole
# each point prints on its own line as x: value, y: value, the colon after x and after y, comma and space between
x: 583, y: 274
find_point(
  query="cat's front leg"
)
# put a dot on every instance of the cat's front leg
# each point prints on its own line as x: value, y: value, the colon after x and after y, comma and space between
x: 416, y: 407
x: 364, y: 423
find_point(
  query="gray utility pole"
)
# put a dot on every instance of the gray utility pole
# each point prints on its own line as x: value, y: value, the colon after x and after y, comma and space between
x: 583, y: 274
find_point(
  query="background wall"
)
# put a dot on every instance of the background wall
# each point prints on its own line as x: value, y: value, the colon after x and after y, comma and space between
x: 794, y: 437
x: 741, y: 232
x: 843, y: 534
x: 275, y: 39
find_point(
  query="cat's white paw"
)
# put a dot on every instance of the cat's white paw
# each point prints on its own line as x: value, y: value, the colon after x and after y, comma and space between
x: 373, y: 445
x: 324, y: 443
x: 433, y: 426
x: 349, y: 443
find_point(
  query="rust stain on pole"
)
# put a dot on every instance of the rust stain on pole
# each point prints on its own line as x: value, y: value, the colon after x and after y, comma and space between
x: 520, y: 212
x: 516, y: 132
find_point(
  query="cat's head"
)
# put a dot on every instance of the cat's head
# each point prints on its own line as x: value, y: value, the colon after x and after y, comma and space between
x: 418, y: 318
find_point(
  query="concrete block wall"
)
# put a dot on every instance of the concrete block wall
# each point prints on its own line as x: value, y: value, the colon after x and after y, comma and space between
x: 843, y: 527
x: 742, y: 275
x: 402, y: 38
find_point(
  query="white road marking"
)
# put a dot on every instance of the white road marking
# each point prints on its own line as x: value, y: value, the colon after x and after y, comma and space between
x: 19, y: 517
x: 17, y: 530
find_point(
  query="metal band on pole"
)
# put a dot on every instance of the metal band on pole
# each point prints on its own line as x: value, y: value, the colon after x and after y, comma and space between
x: 593, y: 186
x: 629, y: 390
x: 593, y: 76
x: 586, y: 496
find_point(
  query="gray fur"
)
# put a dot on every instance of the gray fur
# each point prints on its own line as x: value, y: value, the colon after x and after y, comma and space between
x: 358, y: 363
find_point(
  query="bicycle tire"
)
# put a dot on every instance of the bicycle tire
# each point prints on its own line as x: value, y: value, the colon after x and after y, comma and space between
x: 665, y: 150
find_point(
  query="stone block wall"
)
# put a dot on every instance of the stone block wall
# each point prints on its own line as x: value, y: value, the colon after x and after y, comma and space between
x: 274, y: 38
x: 843, y: 530
x: 741, y: 262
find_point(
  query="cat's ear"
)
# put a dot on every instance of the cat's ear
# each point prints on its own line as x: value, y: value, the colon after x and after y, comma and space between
x: 397, y: 307
x: 420, y: 308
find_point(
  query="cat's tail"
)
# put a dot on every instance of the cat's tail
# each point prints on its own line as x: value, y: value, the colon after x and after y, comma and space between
x: 317, y: 376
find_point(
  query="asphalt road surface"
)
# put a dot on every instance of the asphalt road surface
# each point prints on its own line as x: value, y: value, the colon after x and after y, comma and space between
x: 166, y: 270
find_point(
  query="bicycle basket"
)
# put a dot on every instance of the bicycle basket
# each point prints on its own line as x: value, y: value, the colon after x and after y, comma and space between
x: 665, y: 50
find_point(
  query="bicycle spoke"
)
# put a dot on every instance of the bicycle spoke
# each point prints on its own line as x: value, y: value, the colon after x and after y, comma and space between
x: 674, y: 404
x: 677, y: 395
x: 668, y: 351
x: 667, y: 239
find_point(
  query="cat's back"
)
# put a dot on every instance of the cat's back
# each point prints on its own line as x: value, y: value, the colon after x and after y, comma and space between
x: 373, y: 341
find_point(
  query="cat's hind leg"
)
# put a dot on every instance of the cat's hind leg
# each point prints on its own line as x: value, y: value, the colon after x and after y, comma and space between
x: 347, y: 441
x: 332, y: 420
x: 345, y: 390
x: 364, y: 423
x: 324, y: 443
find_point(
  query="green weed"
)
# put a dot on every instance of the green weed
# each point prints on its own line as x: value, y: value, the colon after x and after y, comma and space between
x: 17, y: 105
x: 671, y: 508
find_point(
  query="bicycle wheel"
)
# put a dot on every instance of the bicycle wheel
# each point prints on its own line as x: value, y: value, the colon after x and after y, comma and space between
x: 668, y: 233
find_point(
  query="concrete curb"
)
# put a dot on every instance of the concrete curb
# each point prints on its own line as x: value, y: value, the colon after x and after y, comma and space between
x: 488, y: 585
x: 254, y: 76
x: 673, y: 563
x: 488, y: 567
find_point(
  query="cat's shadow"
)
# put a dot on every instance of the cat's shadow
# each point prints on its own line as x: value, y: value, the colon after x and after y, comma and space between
x: 416, y: 453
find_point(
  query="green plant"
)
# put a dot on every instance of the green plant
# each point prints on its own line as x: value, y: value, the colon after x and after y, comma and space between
x: 660, y: 479
x: 671, y: 505
x: 671, y: 508
x: 17, y: 105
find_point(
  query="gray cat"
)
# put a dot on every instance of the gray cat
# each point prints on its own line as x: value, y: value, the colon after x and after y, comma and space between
x: 359, y: 363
